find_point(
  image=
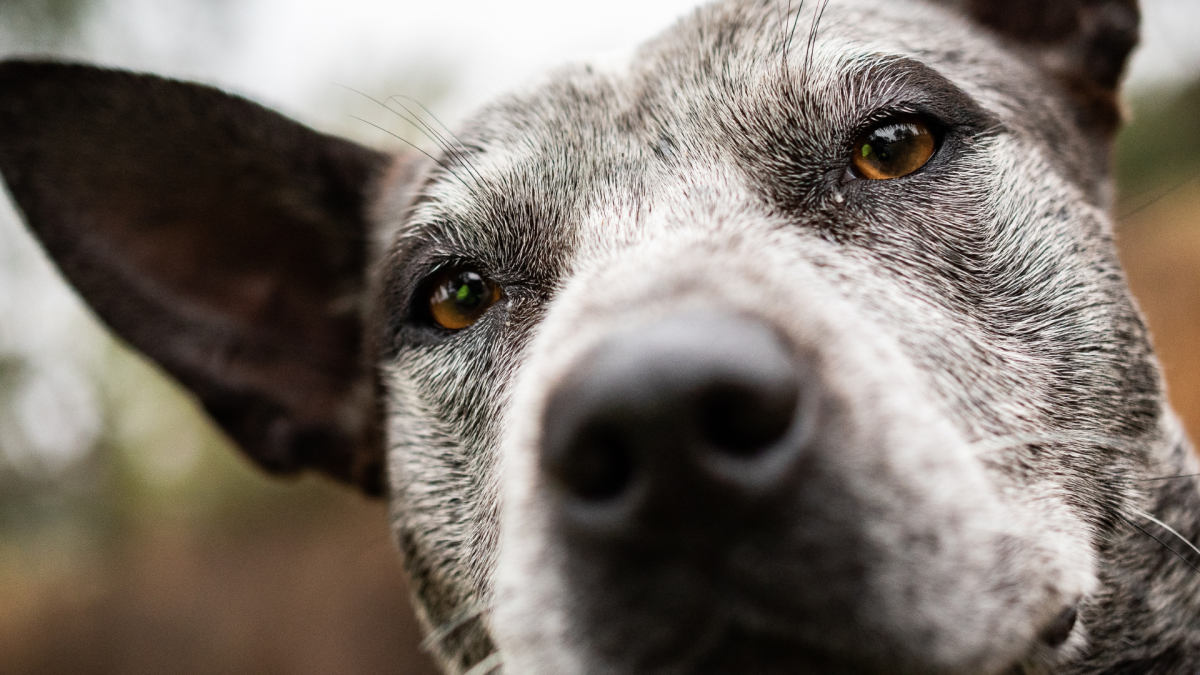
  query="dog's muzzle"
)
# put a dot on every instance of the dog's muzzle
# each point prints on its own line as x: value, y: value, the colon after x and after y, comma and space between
x: 718, y: 504
x: 666, y: 450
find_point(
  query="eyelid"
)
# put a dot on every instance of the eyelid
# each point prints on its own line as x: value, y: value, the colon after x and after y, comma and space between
x: 895, y: 113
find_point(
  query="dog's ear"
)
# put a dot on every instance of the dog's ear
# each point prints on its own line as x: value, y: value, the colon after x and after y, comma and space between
x: 1083, y: 44
x: 224, y: 241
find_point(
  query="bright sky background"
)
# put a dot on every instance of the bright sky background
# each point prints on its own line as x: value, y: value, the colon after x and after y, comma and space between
x: 291, y: 52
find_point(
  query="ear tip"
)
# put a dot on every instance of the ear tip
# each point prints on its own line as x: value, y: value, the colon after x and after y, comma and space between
x: 20, y: 72
x: 35, y: 92
x: 1082, y: 44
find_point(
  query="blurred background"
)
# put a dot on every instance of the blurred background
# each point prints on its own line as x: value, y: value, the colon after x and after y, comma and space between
x: 133, y: 540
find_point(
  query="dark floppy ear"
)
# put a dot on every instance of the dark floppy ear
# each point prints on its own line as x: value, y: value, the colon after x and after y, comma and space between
x: 1084, y: 44
x: 226, y: 242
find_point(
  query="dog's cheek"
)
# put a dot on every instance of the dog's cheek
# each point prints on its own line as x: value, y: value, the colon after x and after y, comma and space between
x: 443, y: 407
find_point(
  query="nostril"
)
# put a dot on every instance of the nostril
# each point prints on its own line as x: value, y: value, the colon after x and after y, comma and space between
x: 597, y: 466
x: 742, y: 420
x: 1060, y: 629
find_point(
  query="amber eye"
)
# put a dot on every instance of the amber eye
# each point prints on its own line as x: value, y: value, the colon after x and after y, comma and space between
x: 458, y: 297
x: 893, y: 149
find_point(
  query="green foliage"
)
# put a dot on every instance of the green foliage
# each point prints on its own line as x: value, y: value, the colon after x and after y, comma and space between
x: 1160, y: 148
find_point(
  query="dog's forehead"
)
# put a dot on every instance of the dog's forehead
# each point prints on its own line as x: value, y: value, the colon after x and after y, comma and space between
x: 612, y: 134
x: 740, y: 103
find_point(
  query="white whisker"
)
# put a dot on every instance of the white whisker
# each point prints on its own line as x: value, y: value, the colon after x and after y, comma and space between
x: 1005, y: 442
x: 1168, y: 528
x: 461, y: 617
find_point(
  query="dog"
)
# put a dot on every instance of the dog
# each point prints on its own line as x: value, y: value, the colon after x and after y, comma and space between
x: 794, y: 343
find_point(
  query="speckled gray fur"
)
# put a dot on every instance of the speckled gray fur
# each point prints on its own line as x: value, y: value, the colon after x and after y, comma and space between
x: 995, y: 400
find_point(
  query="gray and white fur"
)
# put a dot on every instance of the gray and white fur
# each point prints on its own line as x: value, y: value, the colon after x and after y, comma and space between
x: 980, y: 474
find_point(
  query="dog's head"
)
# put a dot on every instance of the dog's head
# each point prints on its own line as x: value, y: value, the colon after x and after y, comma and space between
x: 796, y: 343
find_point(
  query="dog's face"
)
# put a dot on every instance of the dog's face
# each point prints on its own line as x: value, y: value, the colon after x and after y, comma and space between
x: 671, y: 232
x: 797, y: 343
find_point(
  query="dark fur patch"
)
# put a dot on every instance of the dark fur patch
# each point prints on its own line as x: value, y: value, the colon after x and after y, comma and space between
x: 225, y: 241
x: 1082, y: 44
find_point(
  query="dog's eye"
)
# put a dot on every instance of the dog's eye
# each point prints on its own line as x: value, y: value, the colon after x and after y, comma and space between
x: 458, y: 297
x: 893, y: 149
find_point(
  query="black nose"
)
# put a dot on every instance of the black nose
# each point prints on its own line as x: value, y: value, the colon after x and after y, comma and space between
x: 697, y: 405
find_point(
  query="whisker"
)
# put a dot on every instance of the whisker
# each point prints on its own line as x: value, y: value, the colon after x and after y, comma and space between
x: 456, y: 150
x: 461, y: 617
x: 792, y: 33
x: 1186, y: 475
x: 414, y: 123
x: 425, y: 110
x: 455, y: 153
x: 1157, y: 198
x: 1168, y: 528
x: 1162, y: 543
x: 783, y: 21
x: 1005, y: 442
x: 812, y: 38
x: 487, y: 665
x: 414, y: 147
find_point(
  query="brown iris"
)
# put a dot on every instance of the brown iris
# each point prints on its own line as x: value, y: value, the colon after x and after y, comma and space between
x: 893, y: 149
x: 458, y: 297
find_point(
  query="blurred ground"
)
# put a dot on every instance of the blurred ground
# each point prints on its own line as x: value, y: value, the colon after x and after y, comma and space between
x: 151, y: 547
x: 1159, y: 233
x: 165, y: 552
x: 1160, y: 247
x: 314, y: 592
